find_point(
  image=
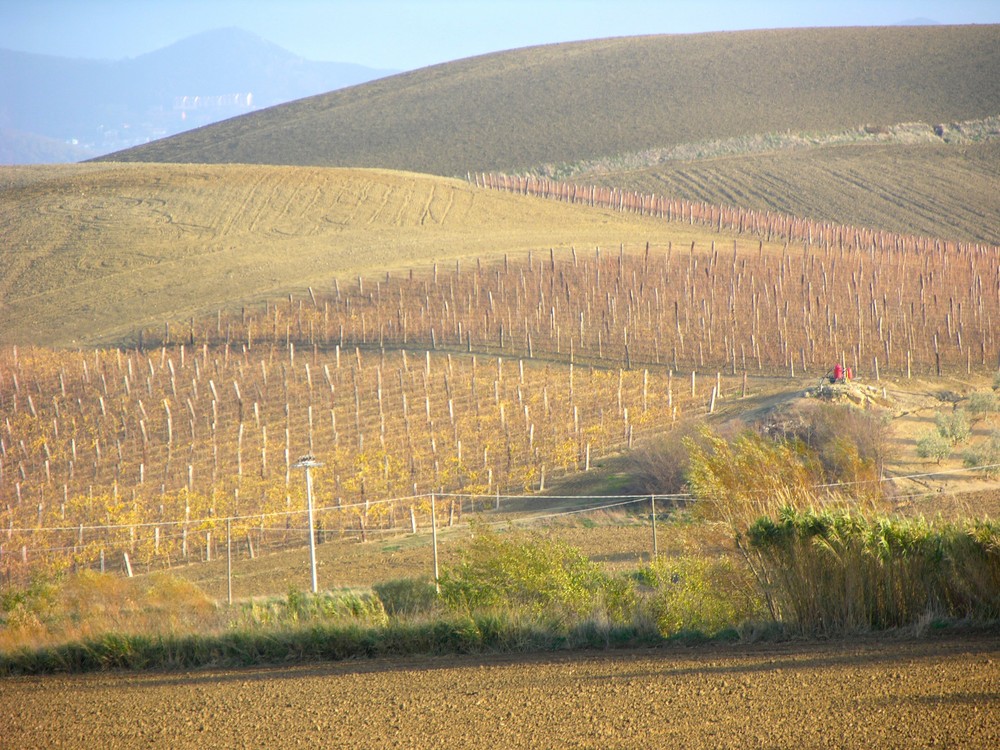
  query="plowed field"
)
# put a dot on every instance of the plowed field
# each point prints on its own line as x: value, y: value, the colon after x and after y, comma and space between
x: 850, y: 695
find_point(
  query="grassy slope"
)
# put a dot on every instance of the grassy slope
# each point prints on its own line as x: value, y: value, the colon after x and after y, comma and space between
x: 928, y: 189
x: 93, y: 251
x: 563, y: 103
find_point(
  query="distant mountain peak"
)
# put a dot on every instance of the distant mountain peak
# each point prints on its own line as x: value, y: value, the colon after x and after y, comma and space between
x: 918, y: 22
x: 103, y: 106
x: 228, y: 40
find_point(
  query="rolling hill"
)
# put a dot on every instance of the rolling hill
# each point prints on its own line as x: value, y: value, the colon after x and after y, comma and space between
x: 617, y: 346
x: 92, y: 251
x: 569, y: 102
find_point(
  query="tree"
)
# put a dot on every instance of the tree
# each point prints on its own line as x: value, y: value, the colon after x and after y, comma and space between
x: 934, y: 445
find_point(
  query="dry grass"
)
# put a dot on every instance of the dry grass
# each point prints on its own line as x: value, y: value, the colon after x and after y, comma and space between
x: 89, y: 605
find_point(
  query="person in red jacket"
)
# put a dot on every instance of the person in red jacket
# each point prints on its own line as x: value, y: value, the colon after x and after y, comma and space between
x: 838, y: 373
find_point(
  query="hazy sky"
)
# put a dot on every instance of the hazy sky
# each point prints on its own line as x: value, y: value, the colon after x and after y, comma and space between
x: 407, y: 34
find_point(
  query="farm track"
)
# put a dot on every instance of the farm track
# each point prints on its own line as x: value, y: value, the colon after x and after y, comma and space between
x: 867, y: 693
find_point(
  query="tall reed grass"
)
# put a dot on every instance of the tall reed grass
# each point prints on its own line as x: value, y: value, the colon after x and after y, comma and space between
x: 835, y: 571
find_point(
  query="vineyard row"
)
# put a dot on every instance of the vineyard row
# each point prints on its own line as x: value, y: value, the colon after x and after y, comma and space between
x: 685, y: 309
x: 768, y: 225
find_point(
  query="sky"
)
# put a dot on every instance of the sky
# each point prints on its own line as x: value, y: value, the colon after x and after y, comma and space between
x: 409, y: 34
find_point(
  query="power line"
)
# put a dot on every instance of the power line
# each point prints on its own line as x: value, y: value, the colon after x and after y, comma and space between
x: 619, y: 500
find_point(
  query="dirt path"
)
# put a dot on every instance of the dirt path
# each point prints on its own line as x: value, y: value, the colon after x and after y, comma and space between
x: 867, y: 693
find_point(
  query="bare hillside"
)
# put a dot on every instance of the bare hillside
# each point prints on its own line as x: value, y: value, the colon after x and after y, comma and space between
x: 567, y: 102
x: 92, y: 251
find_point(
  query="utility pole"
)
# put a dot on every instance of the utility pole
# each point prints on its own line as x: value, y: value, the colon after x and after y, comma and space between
x: 308, y: 462
x: 652, y: 512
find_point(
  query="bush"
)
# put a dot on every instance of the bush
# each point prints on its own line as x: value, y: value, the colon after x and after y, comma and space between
x: 28, y: 607
x: 853, y: 445
x: 986, y: 455
x: 836, y: 572
x: 535, y: 576
x: 738, y: 481
x: 86, y: 604
x: 303, y: 608
x: 701, y: 595
x: 934, y: 445
x: 982, y: 403
x: 661, y: 467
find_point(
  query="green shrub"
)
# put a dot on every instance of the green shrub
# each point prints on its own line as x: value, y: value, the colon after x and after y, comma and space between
x: 934, y: 445
x: 982, y: 403
x: 986, y: 455
x: 536, y: 576
x: 31, y: 606
x: 953, y: 426
x: 701, y: 595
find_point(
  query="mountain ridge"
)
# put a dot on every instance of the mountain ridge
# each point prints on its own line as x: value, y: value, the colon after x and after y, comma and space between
x: 105, y: 105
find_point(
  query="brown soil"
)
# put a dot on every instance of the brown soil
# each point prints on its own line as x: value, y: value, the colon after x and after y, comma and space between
x: 867, y: 693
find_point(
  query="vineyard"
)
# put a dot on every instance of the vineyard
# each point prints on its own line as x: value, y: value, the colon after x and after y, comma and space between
x: 934, y: 189
x: 769, y: 225
x: 150, y: 453
x: 467, y: 382
x: 540, y: 362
